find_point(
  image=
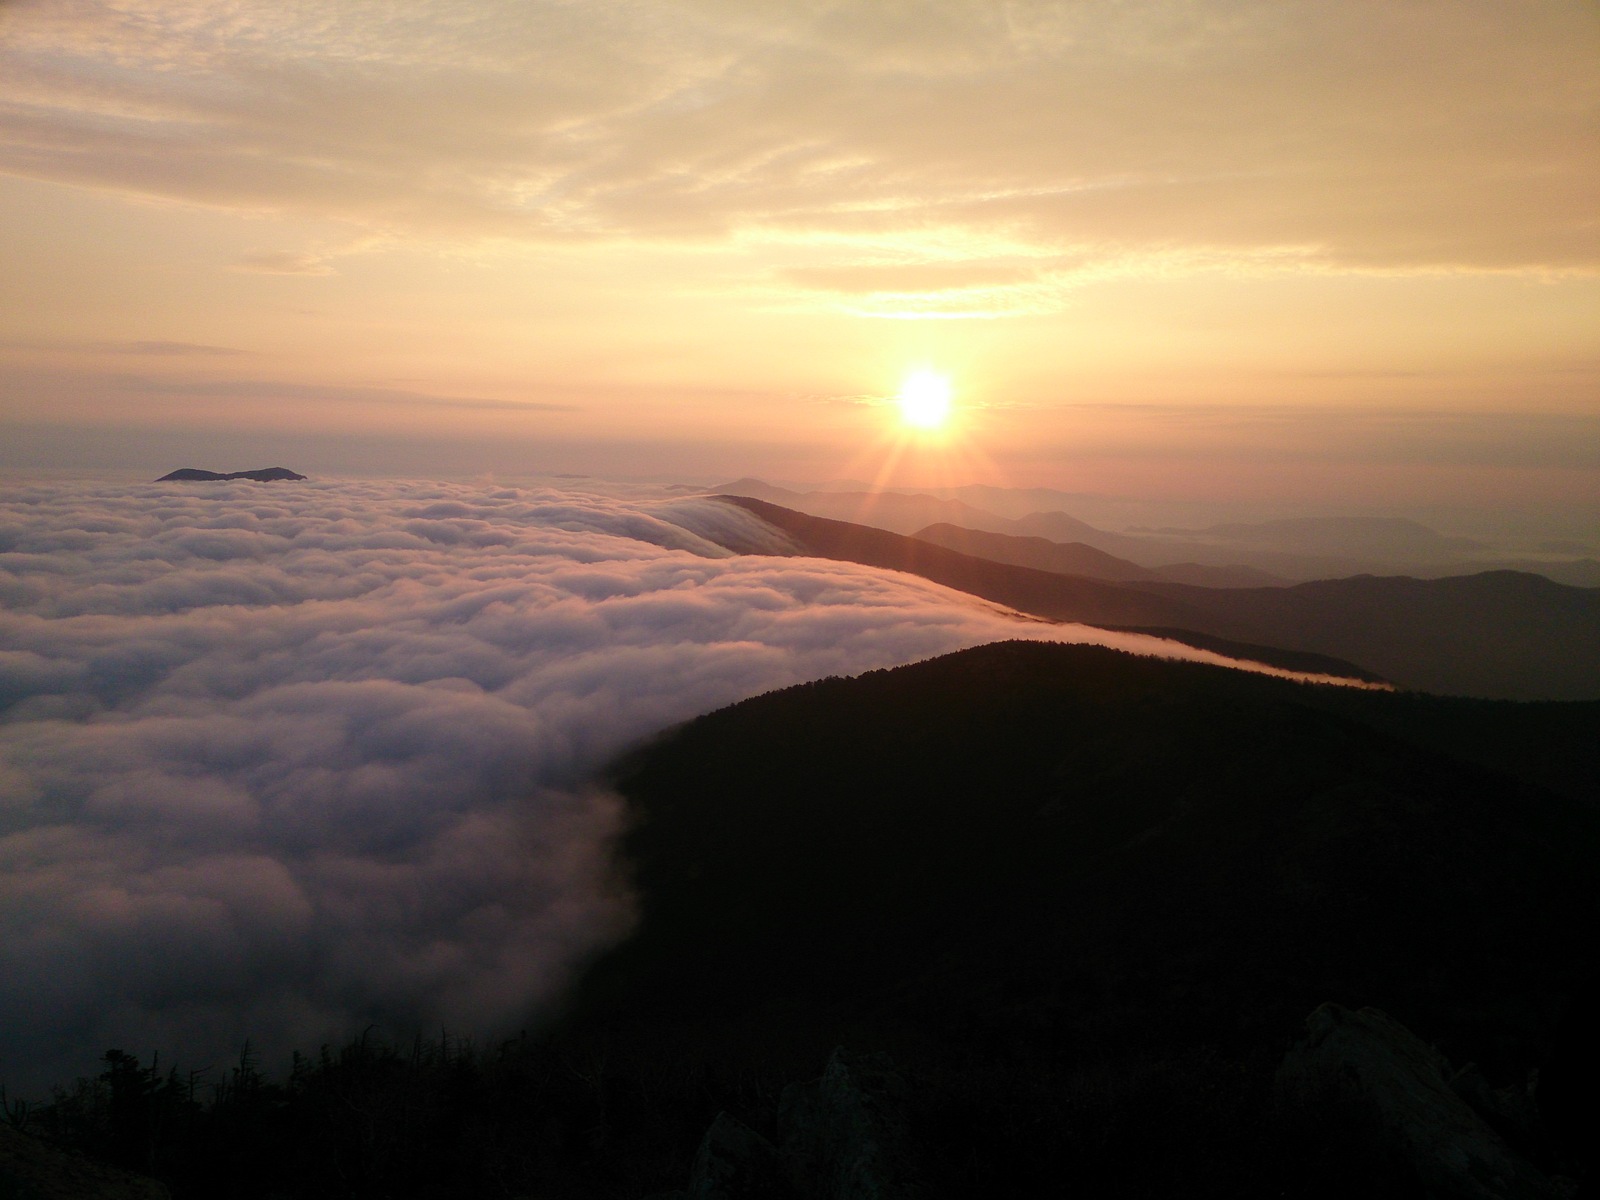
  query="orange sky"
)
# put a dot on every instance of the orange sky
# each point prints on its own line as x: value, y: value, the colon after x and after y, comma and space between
x: 1323, y: 253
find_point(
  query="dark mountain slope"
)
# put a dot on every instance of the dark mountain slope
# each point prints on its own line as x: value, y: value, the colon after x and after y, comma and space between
x: 1026, y: 772
x: 1085, y: 899
x: 1496, y: 634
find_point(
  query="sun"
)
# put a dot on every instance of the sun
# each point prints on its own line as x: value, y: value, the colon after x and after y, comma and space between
x: 925, y: 399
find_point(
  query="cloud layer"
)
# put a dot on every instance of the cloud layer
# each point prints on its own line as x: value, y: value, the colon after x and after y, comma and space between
x: 278, y: 761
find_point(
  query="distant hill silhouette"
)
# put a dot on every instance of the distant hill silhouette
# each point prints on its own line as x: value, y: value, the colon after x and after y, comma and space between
x: 1393, y: 538
x: 1076, y: 558
x: 1499, y: 634
x: 261, y: 475
x: 1296, y: 549
x: 1321, y: 555
x: 1085, y: 900
x: 895, y: 511
x: 900, y: 512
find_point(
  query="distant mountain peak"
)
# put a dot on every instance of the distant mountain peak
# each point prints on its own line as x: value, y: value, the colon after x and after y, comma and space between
x: 260, y: 475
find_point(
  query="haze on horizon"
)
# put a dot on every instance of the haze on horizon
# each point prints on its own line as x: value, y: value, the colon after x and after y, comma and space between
x: 1298, y: 254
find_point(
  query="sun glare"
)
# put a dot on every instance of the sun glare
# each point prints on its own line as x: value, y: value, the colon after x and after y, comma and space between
x: 925, y: 400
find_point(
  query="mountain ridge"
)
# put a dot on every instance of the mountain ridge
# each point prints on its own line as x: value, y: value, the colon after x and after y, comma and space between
x: 1079, y: 558
x: 1507, y: 635
x: 1294, y: 549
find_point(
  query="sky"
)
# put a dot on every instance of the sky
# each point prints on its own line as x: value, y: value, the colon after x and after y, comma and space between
x: 1314, y: 254
x: 277, y: 762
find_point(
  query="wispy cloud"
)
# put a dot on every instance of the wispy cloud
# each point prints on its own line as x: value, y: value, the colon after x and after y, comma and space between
x: 1369, y: 138
x: 283, y: 262
x: 909, y: 277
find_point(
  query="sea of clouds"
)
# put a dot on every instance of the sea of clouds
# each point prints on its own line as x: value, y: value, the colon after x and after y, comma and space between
x: 280, y: 760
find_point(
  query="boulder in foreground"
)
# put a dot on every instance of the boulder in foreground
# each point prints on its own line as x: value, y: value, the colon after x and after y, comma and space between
x: 1398, y: 1090
x: 31, y: 1169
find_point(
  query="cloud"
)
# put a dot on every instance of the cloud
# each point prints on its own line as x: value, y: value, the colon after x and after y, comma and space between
x: 283, y: 262
x: 1333, y: 137
x: 276, y: 761
x: 931, y: 290
x: 909, y: 277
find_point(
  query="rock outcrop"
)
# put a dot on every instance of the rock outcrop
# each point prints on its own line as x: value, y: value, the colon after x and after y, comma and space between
x: 737, y: 1163
x: 34, y: 1170
x: 1393, y: 1094
x: 846, y: 1136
